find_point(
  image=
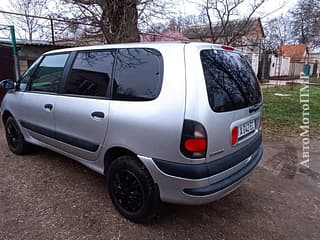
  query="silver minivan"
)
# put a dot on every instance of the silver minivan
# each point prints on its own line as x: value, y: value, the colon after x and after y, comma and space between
x: 170, y: 122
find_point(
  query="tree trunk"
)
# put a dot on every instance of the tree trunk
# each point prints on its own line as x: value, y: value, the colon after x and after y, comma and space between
x: 120, y: 21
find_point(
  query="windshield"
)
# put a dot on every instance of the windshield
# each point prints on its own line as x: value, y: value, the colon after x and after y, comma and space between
x: 230, y: 80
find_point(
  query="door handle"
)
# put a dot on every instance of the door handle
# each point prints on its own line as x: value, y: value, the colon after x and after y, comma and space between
x: 97, y: 115
x: 48, y: 106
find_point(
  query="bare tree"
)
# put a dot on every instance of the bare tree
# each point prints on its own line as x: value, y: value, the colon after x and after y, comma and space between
x: 277, y: 32
x: 189, y: 20
x: 155, y: 13
x: 226, y: 24
x: 200, y: 19
x: 117, y: 20
x: 225, y: 11
x: 26, y: 24
x: 305, y: 22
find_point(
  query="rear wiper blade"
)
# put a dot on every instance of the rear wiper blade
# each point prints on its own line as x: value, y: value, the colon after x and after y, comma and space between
x: 255, y: 107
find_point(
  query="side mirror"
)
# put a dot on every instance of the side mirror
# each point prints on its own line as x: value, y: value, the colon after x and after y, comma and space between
x: 7, y: 84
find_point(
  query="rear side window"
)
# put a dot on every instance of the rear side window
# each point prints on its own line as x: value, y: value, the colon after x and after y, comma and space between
x: 91, y: 73
x: 230, y: 80
x: 49, y: 73
x: 138, y: 74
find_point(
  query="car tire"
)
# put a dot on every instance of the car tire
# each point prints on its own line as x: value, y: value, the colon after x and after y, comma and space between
x: 14, y: 137
x: 132, y: 189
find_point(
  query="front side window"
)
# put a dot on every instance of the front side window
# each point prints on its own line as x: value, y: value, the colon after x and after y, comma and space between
x: 49, y: 73
x: 27, y: 75
x: 91, y: 73
x: 138, y: 74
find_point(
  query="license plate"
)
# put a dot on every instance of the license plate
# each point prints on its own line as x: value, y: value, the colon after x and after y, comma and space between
x: 246, y: 128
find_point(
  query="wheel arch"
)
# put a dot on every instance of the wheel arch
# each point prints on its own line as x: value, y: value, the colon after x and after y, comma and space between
x: 6, y: 114
x: 115, y: 152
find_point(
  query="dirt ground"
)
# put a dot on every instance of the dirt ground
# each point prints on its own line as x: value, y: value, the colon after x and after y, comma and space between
x: 47, y: 196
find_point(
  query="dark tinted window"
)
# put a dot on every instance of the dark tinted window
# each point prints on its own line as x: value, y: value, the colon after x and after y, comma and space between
x: 231, y: 83
x: 138, y: 74
x: 91, y: 73
x: 49, y: 73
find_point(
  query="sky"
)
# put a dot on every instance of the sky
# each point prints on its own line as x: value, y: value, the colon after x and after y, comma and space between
x: 275, y: 7
x: 189, y: 6
x: 270, y: 9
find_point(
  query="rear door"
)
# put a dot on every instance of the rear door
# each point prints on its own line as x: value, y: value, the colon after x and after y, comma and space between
x: 37, y: 102
x: 234, y: 97
x: 81, y: 113
x: 231, y: 101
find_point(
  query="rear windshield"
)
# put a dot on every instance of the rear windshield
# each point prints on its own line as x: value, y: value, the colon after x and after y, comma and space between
x: 230, y: 80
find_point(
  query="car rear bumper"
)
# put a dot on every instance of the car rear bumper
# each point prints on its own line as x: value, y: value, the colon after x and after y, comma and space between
x: 203, y: 183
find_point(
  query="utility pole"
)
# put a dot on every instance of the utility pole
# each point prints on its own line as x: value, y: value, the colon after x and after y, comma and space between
x: 15, y: 53
x: 52, y: 31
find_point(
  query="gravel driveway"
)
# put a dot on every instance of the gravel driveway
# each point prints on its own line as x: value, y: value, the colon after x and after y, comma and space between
x: 47, y: 196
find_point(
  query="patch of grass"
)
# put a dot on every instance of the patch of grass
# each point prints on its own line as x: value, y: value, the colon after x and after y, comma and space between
x: 283, y: 115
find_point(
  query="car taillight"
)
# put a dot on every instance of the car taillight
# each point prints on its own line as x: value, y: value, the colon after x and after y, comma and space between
x: 234, y: 135
x: 193, y: 140
x: 195, y: 144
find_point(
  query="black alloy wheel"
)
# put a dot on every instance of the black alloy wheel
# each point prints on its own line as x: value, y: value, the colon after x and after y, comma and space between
x: 127, y: 190
x: 12, y: 135
x: 15, y: 139
x: 132, y: 189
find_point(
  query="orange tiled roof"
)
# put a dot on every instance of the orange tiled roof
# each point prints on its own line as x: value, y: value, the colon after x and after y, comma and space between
x: 296, y: 52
